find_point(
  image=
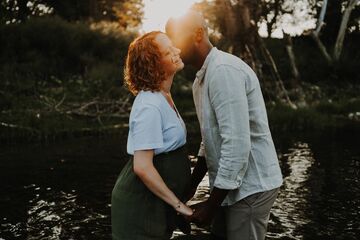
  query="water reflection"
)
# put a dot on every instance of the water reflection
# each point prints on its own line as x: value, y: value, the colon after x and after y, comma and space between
x: 55, y: 215
x: 50, y: 199
x: 288, y: 213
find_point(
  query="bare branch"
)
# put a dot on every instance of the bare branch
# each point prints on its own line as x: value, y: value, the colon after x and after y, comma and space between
x: 322, y: 48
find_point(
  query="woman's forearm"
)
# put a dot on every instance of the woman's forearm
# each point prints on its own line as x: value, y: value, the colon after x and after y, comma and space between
x: 154, y: 182
x: 145, y: 170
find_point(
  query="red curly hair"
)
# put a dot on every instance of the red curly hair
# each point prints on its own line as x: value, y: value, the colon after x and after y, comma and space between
x: 143, y: 64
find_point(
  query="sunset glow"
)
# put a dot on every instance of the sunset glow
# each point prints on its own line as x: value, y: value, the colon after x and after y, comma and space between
x: 156, y: 12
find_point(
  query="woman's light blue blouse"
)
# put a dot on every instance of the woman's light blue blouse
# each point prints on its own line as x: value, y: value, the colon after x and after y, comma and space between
x: 153, y: 124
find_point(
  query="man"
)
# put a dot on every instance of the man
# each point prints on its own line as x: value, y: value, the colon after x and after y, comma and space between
x: 237, y: 149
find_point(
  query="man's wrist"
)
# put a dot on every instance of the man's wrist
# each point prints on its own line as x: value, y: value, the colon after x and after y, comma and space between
x: 217, y: 196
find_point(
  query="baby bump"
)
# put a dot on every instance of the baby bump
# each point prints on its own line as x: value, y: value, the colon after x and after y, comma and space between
x: 174, y: 168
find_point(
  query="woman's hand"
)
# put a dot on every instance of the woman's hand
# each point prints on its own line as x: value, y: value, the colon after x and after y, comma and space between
x: 183, y: 209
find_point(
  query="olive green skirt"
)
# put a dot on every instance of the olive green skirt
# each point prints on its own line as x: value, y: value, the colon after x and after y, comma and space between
x: 138, y: 214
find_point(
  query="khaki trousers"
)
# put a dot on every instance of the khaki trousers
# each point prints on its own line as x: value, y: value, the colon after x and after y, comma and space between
x: 247, y: 219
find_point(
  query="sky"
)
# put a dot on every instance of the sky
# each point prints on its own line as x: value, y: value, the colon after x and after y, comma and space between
x: 156, y: 12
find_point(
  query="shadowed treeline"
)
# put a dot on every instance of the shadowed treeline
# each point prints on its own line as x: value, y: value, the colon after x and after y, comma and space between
x: 61, y: 66
x: 64, y: 111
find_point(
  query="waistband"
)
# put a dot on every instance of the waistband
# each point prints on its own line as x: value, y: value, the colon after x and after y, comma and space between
x: 179, y: 150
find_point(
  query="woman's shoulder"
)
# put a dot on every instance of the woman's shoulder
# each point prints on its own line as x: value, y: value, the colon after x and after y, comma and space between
x: 148, y: 99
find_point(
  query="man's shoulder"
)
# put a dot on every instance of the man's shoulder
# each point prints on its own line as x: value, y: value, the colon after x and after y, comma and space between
x: 224, y: 59
x: 233, y: 67
x: 228, y: 60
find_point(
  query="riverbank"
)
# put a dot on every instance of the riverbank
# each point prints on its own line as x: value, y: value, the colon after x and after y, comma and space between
x: 31, y: 121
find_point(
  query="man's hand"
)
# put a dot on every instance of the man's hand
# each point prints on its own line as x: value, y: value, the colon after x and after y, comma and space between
x: 203, y: 214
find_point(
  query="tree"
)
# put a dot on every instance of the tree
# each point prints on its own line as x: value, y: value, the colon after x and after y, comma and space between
x: 237, y: 22
x: 17, y: 10
x: 128, y: 12
x: 271, y: 10
x: 342, y: 28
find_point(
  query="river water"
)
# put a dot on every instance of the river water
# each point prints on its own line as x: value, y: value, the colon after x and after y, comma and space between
x: 63, y: 190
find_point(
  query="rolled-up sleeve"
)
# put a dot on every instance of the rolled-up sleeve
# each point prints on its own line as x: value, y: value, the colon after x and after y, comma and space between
x: 227, y: 92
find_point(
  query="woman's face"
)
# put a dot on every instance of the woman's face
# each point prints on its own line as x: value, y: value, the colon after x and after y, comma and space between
x: 170, y: 55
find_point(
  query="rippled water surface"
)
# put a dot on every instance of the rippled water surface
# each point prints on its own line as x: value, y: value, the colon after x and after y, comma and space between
x: 62, y: 191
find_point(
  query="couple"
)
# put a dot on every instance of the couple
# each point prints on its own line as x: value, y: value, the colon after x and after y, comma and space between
x: 150, y: 194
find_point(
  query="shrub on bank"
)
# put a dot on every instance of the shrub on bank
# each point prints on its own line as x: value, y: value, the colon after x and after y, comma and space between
x: 39, y: 52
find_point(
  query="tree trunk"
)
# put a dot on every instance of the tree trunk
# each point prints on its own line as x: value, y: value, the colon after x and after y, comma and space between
x: 342, y: 31
x: 320, y: 22
x: 281, y: 90
x: 322, y: 48
x: 315, y: 34
x: 269, y: 24
x: 294, y: 70
x: 239, y: 27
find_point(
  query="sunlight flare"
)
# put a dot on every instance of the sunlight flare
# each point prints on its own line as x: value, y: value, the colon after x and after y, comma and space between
x: 157, y: 12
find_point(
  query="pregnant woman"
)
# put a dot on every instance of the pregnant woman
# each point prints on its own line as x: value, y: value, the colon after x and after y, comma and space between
x: 147, y: 195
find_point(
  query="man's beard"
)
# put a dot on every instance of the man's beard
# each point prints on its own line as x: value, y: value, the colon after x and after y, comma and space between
x: 188, y: 56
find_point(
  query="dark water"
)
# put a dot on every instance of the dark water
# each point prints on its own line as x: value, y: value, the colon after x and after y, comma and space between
x: 62, y: 190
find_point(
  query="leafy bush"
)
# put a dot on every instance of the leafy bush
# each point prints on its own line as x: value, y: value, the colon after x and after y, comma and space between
x: 43, y: 49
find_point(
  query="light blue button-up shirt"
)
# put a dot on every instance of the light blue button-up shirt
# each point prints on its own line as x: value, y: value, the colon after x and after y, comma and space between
x: 237, y: 142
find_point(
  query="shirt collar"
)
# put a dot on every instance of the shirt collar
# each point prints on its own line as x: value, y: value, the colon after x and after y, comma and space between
x: 201, y: 73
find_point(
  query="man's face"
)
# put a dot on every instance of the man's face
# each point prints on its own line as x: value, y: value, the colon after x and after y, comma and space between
x: 184, y: 40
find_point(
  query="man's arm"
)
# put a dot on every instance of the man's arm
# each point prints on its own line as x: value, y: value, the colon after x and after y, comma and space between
x: 197, y: 175
x: 228, y: 98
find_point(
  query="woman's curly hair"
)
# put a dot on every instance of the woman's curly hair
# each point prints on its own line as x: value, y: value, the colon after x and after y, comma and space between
x: 143, y: 69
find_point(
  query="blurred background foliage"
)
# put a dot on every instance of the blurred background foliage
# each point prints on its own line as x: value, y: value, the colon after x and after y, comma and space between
x: 61, y: 63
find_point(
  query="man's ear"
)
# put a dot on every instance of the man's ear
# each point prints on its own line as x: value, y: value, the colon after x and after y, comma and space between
x: 199, y: 34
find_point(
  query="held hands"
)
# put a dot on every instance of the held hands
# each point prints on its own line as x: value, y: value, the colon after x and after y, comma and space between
x: 183, y: 212
x: 203, y: 213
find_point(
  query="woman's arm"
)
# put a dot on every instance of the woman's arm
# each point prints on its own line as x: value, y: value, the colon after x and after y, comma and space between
x: 145, y: 170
